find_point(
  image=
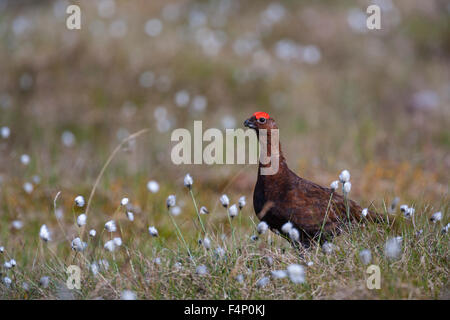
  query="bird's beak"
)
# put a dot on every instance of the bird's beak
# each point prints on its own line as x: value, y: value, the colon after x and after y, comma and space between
x: 249, y: 123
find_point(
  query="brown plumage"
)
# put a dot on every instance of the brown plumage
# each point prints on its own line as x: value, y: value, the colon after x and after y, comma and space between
x: 285, y: 197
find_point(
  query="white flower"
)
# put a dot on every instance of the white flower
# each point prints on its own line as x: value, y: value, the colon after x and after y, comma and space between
x: 364, y: 212
x: 78, y: 245
x: 436, y: 217
x: 334, y: 185
x: 224, y: 200
x: 279, y: 274
x: 176, y: 211
x: 188, y: 181
x: 204, y: 210
x: 5, y: 132
x: 17, y: 224
x: 286, y: 227
x: 153, y: 231
x: 94, y: 268
x: 294, y: 234
x: 92, y: 233
x: 25, y: 159
x: 409, y: 213
x: 220, y: 251
x: 171, y: 201
x: 7, y: 281
x: 28, y: 187
x: 262, y: 227
x: 242, y: 202
x: 262, y: 282
x: 347, y: 187
x: 124, y: 201
x: 130, y: 215
x: 44, y: 233
x: 328, y: 248
x: 81, y: 220
x: 110, y: 246
x: 110, y: 226
x: 207, y: 243
x: 153, y: 186
x: 44, y: 281
x: 393, y: 248
x: 201, y: 270
x: 128, y: 295
x: 117, y: 241
x: 296, y: 273
x: 404, y: 208
x: 344, y: 176
x: 233, y: 211
x: 365, y: 256
x: 79, y: 201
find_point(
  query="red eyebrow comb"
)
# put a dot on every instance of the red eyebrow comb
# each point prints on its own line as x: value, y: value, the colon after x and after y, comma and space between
x: 261, y: 114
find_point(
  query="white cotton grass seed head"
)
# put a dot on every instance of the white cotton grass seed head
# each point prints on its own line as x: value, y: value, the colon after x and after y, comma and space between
x: 296, y: 273
x: 92, y: 233
x: 445, y: 228
x: 44, y: 282
x: 153, y: 186
x: 294, y: 235
x: 268, y: 260
x: 117, y: 241
x: 334, y: 185
x: 404, y: 208
x: 128, y: 295
x: 94, y: 268
x: 110, y: 226
x: 25, y: 159
x: 328, y: 248
x: 28, y: 187
x: 206, y: 243
x: 310, y: 264
x: 130, y: 215
x: 240, y: 278
x: 17, y: 224
x: 364, y: 212
x: 344, y: 176
x: 204, y: 210
x: 286, y: 227
x: 201, y: 270
x: 81, y: 220
x: 278, y: 274
x: 188, y: 181
x: 409, y: 213
x: 157, y: 261
x: 110, y: 246
x: 7, y: 282
x: 78, y: 245
x: 393, y: 248
x: 7, y: 265
x: 79, y: 201
x: 262, y: 227
x: 153, y: 231
x: 365, y: 256
x: 44, y: 233
x: 124, y: 201
x: 13, y: 263
x: 5, y: 132
x: 220, y: 252
x: 233, y: 211
x: 347, y: 187
x: 2, y: 249
x: 436, y: 217
x: 171, y: 201
x: 175, y: 211
x: 261, y: 283
x: 242, y: 202
x: 224, y: 200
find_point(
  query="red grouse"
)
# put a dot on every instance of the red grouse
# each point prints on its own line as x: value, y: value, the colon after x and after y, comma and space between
x: 282, y: 196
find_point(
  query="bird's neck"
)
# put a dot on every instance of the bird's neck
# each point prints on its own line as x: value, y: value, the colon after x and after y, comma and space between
x: 272, y: 163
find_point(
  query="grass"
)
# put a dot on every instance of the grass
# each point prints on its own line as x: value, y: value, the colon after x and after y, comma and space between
x: 356, y: 109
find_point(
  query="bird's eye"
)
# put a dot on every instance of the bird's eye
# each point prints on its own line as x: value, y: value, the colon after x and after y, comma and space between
x: 262, y: 120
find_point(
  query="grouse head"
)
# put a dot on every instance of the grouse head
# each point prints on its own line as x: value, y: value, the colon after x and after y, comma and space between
x: 260, y: 120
